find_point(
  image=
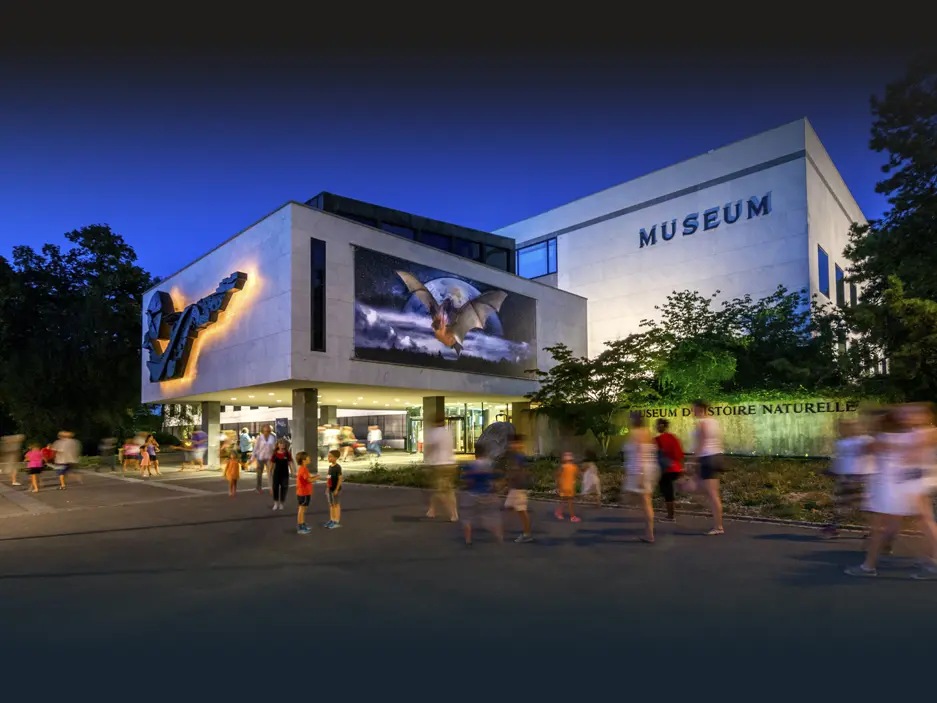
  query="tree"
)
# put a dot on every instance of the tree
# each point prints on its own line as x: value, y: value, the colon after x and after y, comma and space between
x: 586, y: 394
x: 70, y: 335
x: 895, y: 258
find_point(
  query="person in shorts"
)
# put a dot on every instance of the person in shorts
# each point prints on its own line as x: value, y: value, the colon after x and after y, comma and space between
x: 334, y: 492
x: 244, y: 448
x: 199, y: 448
x: 519, y: 483
x: 34, y: 464
x: 304, y: 482
x: 67, y: 454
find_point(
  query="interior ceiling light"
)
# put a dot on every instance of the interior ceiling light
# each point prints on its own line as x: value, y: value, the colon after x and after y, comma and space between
x: 234, y: 399
x: 360, y: 397
x: 269, y: 393
x: 279, y: 401
x: 250, y: 396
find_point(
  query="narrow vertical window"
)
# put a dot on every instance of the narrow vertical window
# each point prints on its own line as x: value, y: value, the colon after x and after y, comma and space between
x: 840, y: 287
x: 317, y: 301
x: 823, y: 263
x: 853, y: 295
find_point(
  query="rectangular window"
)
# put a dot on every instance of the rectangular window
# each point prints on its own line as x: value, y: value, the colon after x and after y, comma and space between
x: 317, y: 298
x: 463, y: 247
x: 840, y: 287
x: 853, y: 295
x: 369, y: 221
x: 398, y: 230
x: 439, y: 241
x: 823, y: 263
x: 537, y: 259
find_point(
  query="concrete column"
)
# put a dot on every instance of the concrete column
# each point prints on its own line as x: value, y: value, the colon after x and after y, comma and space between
x: 211, y: 425
x: 434, y: 410
x: 486, y: 417
x: 305, y: 422
x: 328, y: 414
x: 523, y: 424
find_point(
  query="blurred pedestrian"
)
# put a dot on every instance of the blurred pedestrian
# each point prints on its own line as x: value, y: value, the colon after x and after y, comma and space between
x: 921, y: 419
x: 479, y: 503
x: 145, y: 461
x: 566, y: 487
x: 851, y: 467
x: 642, y: 471
x: 348, y: 443
x: 34, y: 464
x: 132, y: 452
x: 283, y: 466
x: 11, y: 455
x: 670, y: 461
x: 375, y: 436
x: 590, y: 477
x: 519, y: 483
x: 151, y: 447
x: 439, y: 460
x: 199, y: 448
x: 67, y: 455
x: 107, y: 451
x: 894, y: 489
x: 708, y: 452
x: 232, y: 471
x: 244, y: 448
x: 265, y: 444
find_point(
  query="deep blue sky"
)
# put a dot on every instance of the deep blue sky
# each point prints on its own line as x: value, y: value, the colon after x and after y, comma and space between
x: 178, y: 155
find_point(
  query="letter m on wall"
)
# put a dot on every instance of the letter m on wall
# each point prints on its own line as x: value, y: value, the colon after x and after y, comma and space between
x: 759, y: 207
x: 648, y: 238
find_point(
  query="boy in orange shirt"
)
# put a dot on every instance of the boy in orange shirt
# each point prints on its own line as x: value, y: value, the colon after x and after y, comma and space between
x: 304, y: 481
x: 566, y: 486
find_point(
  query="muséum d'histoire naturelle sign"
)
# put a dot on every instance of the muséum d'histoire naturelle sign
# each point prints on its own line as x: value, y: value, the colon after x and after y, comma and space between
x: 710, y: 219
x: 763, y: 408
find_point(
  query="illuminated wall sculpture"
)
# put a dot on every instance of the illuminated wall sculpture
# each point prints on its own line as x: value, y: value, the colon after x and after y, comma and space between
x: 170, y: 335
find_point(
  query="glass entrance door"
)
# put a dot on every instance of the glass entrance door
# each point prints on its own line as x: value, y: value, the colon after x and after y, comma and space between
x: 456, y: 427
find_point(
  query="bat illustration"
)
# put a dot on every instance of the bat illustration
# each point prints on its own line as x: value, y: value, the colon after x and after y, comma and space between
x: 451, y: 324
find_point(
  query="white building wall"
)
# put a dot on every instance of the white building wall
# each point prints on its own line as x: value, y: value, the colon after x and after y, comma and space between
x: 250, y: 343
x: 560, y: 316
x: 832, y: 211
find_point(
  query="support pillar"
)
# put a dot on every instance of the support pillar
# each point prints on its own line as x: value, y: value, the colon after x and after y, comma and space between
x: 328, y: 415
x: 522, y: 419
x: 486, y: 417
x: 305, y: 424
x: 211, y: 425
x: 434, y: 410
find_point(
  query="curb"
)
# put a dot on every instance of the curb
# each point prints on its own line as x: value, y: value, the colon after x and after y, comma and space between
x: 694, y: 513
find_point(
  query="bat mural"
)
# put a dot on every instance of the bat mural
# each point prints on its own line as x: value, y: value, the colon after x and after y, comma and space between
x: 411, y: 314
x: 170, y: 335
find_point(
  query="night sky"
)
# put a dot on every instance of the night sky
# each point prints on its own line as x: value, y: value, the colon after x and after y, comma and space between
x: 180, y: 150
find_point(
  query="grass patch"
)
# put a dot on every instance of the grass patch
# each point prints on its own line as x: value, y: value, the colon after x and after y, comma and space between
x: 769, y: 487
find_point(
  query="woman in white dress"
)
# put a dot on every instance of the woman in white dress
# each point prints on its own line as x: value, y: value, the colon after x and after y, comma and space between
x: 895, y: 487
x: 641, y: 469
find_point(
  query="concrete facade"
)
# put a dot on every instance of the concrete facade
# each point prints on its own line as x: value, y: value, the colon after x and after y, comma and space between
x: 603, y: 255
x: 258, y: 354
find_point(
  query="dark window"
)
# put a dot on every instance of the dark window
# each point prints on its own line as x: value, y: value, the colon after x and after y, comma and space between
x: 840, y: 287
x: 237, y: 408
x: 841, y: 343
x: 370, y: 221
x: 399, y: 230
x: 537, y: 259
x: 463, y: 247
x: 497, y: 257
x: 255, y: 407
x: 439, y: 241
x: 317, y: 299
x: 823, y: 263
x: 853, y: 295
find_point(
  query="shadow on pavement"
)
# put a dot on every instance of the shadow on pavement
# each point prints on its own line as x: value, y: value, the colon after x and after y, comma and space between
x: 784, y: 537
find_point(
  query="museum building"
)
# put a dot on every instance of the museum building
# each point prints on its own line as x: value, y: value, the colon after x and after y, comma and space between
x: 340, y: 311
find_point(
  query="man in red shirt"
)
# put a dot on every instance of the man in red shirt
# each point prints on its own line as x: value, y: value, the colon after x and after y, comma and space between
x: 670, y: 456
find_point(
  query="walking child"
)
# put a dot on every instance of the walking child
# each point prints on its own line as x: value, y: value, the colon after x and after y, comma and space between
x: 519, y: 483
x: 304, y: 482
x: 851, y: 469
x: 34, y: 464
x: 334, y: 491
x: 232, y: 472
x: 566, y: 486
x: 590, y: 478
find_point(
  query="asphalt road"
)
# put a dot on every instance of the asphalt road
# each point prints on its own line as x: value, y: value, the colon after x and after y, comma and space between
x: 198, y: 593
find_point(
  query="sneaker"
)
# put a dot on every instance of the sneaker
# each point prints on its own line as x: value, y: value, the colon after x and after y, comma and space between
x: 558, y: 516
x: 860, y: 571
x: 716, y: 531
x: 335, y: 525
x: 523, y: 539
x: 575, y: 518
x: 17, y: 483
x: 276, y: 506
x: 303, y: 530
x: 327, y: 524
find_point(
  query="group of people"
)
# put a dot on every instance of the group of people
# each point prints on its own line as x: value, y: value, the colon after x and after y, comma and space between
x: 651, y: 462
x: 61, y: 456
x: 341, y: 439
x: 273, y: 456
